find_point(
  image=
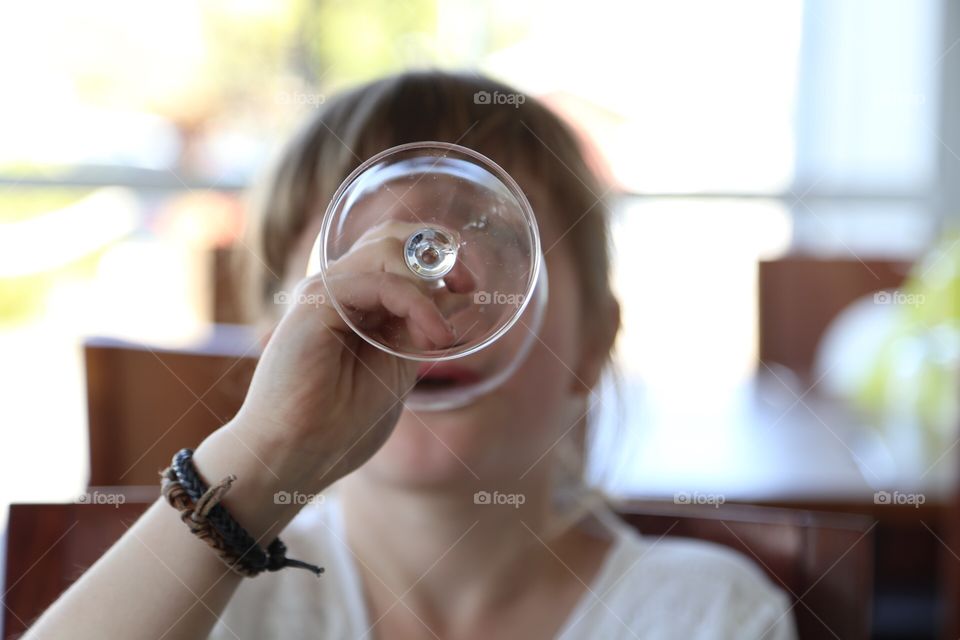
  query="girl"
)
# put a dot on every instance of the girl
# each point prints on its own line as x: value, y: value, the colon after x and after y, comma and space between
x: 408, y: 550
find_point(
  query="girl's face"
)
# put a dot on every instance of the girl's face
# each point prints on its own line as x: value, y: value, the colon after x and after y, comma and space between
x: 513, y: 431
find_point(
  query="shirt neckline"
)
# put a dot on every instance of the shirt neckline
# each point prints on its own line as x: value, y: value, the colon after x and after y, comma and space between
x: 592, y: 595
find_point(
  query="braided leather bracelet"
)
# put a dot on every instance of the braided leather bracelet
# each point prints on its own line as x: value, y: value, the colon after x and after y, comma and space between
x: 201, y: 511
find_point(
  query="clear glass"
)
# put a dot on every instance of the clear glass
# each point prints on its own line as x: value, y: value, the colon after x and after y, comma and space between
x: 455, y: 217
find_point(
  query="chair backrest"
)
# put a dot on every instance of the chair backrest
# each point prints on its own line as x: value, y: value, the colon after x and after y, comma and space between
x: 144, y: 404
x: 49, y: 546
x: 225, y: 304
x: 799, y: 296
x: 823, y: 560
x: 950, y: 568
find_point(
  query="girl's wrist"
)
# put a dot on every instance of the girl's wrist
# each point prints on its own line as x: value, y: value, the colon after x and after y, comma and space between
x: 270, y: 481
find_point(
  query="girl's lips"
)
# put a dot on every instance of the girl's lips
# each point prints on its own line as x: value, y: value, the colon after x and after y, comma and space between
x: 442, y: 374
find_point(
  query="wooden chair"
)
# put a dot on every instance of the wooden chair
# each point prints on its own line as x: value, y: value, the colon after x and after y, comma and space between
x: 949, y: 557
x: 823, y: 560
x: 799, y: 296
x: 144, y: 403
x: 225, y: 306
x: 914, y: 573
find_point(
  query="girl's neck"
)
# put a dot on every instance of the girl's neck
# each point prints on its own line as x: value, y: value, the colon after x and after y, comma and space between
x: 454, y: 552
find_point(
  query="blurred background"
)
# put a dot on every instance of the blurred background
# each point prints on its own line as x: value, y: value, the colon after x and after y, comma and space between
x: 786, y: 181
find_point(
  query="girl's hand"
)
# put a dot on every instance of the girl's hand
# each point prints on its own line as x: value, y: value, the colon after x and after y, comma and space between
x: 321, y: 394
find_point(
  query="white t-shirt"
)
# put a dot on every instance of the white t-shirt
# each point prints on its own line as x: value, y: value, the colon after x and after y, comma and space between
x: 649, y: 588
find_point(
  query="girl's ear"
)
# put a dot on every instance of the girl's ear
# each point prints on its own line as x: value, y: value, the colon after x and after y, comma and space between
x: 597, y: 343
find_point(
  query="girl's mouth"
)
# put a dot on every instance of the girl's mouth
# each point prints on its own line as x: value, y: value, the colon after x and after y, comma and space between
x: 437, y: 376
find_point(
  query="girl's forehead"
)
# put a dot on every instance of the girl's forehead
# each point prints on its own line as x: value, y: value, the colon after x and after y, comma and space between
x: 405, y: 200
x: 552, y: 226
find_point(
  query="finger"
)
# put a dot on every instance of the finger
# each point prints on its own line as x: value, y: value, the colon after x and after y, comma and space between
x: 385, y: 255
x: 382, y: 254
x: 460, y: 279
x: 372, y: 292
x: 311, y: 296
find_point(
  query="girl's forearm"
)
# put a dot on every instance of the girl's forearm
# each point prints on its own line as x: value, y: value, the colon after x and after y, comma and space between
x: 159, y: 580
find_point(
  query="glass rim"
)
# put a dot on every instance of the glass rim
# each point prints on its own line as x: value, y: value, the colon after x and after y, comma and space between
x: 501, y: 174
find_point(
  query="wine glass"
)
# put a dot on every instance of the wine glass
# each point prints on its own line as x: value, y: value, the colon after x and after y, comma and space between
x: 455, y: 217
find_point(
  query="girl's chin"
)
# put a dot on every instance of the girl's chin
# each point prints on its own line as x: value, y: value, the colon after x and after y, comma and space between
x: 444, y: 452
x: 466, y: 418
x: 445, y: 477
x: 498, y: 403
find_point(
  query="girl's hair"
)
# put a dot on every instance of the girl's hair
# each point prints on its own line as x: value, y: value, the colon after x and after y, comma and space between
x: 517, y: 132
